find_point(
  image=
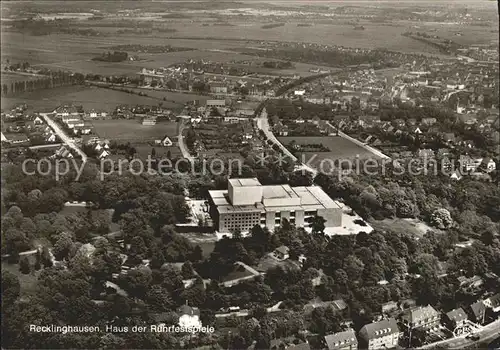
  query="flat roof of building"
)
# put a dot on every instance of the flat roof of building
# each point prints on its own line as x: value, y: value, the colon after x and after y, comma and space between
x: 244, y: 182
x: 311, y: 198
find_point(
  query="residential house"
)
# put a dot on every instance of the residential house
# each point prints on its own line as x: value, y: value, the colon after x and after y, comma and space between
x: 383, y: 334
x: 51, y: 138
x: 425, y: 317
x: 455, y: 318
x: 337, y: 305
x: 456, y: 175
x: 218, y: 88
x: 345, y: 340
x: 470, y: 283
x: 389, y: 307
x: 417, y: 131
x: 70, y: 118
x: 429, y: 121
x: 488, y: 165
x: 149, y: 120
x: 17, y: 139
x: 443, y: 152
x: 84, y: 129
x: 75, y: 123
x: 493, y: 302
x: 281, y: 130
x: 189, y: 316
x: 449, y: 137
x: 282, y: 252
x: 103, y: 154
x: 477, y: 311
x: 166, y: 142
x: 4, y: 139
x: 38, y: 120
x: 66, y: 111
x: 426, y: 153
x: 468, y: 163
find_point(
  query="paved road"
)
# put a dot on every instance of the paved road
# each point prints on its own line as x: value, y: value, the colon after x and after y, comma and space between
x: 488, y: 332
x: 62, y: 135
x: 182, y: 144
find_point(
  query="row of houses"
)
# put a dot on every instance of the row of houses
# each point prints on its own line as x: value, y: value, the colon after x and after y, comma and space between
x: 386, y: 333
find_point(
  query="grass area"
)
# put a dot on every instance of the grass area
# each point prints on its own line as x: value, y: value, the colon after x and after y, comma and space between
x: 339, y: 147
x: 238, y: 272
x: 27, y: 282
x: 415, y: 227
x: 133, y: 130
x: 268, y: 262
x: 88, y: 96
x: 143, y: 150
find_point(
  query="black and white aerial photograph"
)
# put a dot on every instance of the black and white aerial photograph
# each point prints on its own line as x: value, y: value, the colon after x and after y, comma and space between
x: 250, y: 174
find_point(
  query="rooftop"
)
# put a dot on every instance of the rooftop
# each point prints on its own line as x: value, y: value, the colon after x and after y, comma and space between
x: 341, y: 339
x: 380, y: 329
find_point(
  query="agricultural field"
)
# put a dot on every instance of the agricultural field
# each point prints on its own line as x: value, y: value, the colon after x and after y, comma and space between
x: 133, y: 130
x: 340, y: 149
x: 88, y: 97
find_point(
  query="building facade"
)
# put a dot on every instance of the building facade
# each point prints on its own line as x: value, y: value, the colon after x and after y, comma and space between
x: 422, y: 317
x: 342, y: 340
x: 247, y: 203
x: 384, y: 334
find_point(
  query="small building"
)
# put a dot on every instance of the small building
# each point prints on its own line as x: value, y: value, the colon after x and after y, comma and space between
x: 383, y: 334
x: 429, y: 121
x: 425, y: 317
x: 282, y: 252
x: 166, y: 142
x: 189, y: 316
x: 215, y: 103
x: 493, y: 302
x: 218, y: 88
x: 455, y: 318
x: 345, y: 340
x: 389, y: 307
x: 488, y: 165
x: 150, y: 121
x: 477, y: 311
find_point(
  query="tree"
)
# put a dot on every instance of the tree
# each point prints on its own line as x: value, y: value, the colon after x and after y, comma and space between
x: 24, y: 265
x: 441, y: 218
x: 318, y: 225
x: 353, y: 266
x: 10, y: 288
x: 157, y: 260
x: 187, y: 270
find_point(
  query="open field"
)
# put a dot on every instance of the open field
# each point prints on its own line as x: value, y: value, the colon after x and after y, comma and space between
x: 340, y: 149
x: 133, y: 130
x: 88, y: 97
x: 415, y: 227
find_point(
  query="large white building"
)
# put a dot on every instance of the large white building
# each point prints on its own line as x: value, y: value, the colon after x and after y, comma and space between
x: 247, y: 203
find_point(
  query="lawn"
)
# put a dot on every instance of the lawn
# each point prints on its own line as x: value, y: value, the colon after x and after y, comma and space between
x: 133, y: 130
x: 415, y: 227
x: 27, y: 282
x: 340, y: 149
